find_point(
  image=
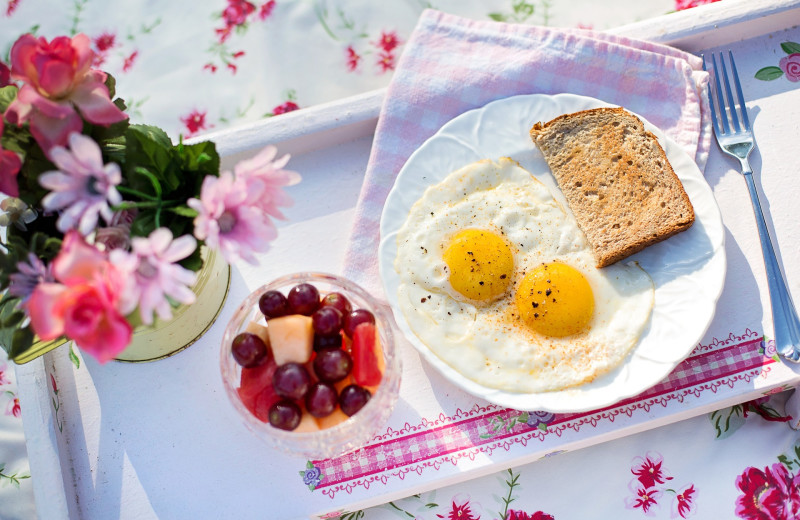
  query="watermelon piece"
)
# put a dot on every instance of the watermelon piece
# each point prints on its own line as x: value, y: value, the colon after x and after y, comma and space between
x: 367, y: 355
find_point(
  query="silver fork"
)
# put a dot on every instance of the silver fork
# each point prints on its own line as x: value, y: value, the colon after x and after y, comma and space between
x: 737, y: 140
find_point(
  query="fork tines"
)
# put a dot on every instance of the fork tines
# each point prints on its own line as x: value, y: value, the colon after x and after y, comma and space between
x: 728, y: 112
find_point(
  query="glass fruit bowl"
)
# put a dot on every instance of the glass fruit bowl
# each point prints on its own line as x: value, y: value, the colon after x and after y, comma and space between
x: 319, y: 396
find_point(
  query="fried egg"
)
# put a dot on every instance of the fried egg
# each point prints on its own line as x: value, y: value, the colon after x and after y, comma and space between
x: 496, y: 278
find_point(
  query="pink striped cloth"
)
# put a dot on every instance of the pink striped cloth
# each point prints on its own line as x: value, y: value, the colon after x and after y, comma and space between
x: 452, y: 64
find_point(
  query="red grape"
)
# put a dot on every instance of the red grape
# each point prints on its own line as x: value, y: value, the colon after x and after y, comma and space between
x: 321, y: 399
x: 356, y: 318
x: 327, y: 342
x: 291, y: 380
x: 273, y: 304
x: 249, y: 350
x: 332, y: 365
x: 303, y: 299
x: 284, y: 415
x: 353, y: 398
x: 338, y: 301
x: 327, y: 321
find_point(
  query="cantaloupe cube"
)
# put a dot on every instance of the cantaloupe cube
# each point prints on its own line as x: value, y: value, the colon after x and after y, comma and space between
x: 307, y: 424
x: 291, y: 338
x: 329, y: 421
x: 259, y: 330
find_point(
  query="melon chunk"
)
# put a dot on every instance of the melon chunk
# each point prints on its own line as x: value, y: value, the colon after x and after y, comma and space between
x: 259, y: 330
x: 329, y: 421
x: 291, y: 338
x: 307, y: 424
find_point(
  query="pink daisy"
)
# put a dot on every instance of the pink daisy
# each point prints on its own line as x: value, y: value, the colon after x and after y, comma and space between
x: 82, y: 187
x: 153, y: 274
x: 229, y: 219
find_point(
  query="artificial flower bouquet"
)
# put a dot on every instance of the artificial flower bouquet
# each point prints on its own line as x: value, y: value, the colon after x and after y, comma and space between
x: 103, y: 220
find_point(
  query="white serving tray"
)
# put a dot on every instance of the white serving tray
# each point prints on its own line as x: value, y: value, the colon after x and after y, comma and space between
x: 160, y: 440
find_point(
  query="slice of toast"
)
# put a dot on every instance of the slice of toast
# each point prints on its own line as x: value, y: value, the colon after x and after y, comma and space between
x: 617, y: 180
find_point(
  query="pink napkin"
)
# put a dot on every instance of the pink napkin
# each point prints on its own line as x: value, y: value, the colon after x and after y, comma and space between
x: 451, y: 64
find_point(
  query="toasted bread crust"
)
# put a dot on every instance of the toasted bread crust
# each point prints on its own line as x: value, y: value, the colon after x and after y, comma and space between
x: 617, y: 180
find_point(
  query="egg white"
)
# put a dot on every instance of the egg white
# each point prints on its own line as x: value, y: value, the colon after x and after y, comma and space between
x: 487, y: 343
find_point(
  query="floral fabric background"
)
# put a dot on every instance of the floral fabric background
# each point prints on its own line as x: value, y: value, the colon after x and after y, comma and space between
x: 192, y: 67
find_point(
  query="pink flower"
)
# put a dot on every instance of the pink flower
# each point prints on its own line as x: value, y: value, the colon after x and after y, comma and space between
x: 117, y: 235
x: 153, y: 276
x: 771, y: 494
x: 83, y: 306
x: 388, y: 41
x: 683, y: 503
x: 790, y: 65
x: 289, y: 106
x: 10, y: 164
x: 461, y: 510
x: 105, y: 41
x: 29, y: 274
x: 58, y: 80
x: 352, y: 59
x: 229, y: 218
x: 82, y: 187
x: 237, y: 12
x: 264, y: 175
x: 5, y: 75
x: 13, y: 407
x: 680, y: 5
x: 649, y: 471
x: 195, y: 121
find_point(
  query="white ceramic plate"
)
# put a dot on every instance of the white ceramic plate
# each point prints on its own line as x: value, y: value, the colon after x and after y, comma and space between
x: 688, y: 269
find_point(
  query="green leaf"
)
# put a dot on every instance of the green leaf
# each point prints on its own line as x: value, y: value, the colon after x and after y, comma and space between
x: 184, y: 211
x: 769, y: 73
x: 7, y: 95
x: 497, y: 17
x: 790, y: 47
x: 74, y: 357
x: 21, y: 340
x: 150, y: 148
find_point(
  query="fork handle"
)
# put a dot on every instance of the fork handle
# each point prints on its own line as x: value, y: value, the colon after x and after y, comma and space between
x: 784, y: 315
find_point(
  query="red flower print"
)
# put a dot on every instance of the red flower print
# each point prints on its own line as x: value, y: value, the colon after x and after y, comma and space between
x: 211, y: 67
x: 680, y: 5
x: 266, y: 10
x: 126, y: 66
x: 289, y: 106
x: 13, y: 407
x: 105, y: 42
x: 4, y: 380
x: 460, y: 512
x: 683, y: 502
x: 388, y: 41
x: 11, y: 7
x: 767, y: 495
x: 5, y: 75
x: 352, y: 59
x: 234, y: 15
x: 53, y: 383
x: 385, y: 61
x: 521, y: 515
x: 194, y: 122
x: 649, y: 471
x: 646, y: 498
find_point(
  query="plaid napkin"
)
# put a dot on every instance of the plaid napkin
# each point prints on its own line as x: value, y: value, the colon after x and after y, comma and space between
x: 452, y: 64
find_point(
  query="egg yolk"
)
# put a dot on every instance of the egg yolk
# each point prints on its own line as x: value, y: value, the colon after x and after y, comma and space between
x: 555, y: 300
x: 480, y: 264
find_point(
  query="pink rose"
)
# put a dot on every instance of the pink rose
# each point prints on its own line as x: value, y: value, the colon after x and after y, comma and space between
x: 10, y: 164
x: 58, y: 80
x: 790, y: 65
x: 84, y: 305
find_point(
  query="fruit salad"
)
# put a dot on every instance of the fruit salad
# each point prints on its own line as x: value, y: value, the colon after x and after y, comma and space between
x: 309, y: 360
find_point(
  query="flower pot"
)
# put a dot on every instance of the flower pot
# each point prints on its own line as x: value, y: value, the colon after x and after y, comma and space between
x: 167, y: 337
x: 189, y: 322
